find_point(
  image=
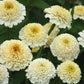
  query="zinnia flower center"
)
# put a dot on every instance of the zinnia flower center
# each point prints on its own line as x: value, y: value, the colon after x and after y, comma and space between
x: 80, y: 9
x: 42, y: 65
x: 66, y: 41
x: 71, y: 68
x: 15, y: 49
x: 9, y: 5
x: 35, y: 30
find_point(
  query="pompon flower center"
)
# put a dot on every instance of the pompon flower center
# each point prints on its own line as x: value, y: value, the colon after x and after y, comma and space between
x: 9, y: 5
x: 42, y: 67
x: 71, y: 68
x: 66, y: 41
x: 15, y: 49
x: 35, y: 30
x: 81, y: 9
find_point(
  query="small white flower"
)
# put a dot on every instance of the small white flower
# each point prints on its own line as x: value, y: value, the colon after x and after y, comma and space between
x: 11, y: 12
x: 40, y: 71
x: 65, y: 47
x: 15, y: 55
x: 34, y: 35
x: 81, y: 38
x: 59, y: 16
x: 78, y: 12
x: 69, y: 72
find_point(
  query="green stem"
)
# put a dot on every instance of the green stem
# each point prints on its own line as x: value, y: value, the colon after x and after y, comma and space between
x: 81, y: 51
x: 26, y: 81
x: 9, y: 30
x: 40, y: 51
x: 52, y: 27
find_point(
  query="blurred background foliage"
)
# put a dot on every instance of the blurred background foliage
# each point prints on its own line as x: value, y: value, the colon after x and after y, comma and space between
x: 35, y: 14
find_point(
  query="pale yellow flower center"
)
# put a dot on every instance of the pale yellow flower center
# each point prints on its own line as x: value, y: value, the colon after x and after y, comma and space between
x: 66, y: 41
x: 9, y: 5
x: 35, y: 30
x: 15, y: 49
x: 71, y: 69
x: 81, y: 9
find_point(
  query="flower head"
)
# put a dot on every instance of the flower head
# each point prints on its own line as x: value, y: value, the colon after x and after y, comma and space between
x: 65, y: 47
x: 69, y: 72
x: 81, y: 38
x: 52, y: 35
x: 15, y: 55
x: 78, y: 12
x: 59, y: 16
x: 4, y: 75
x: 11, y: 12
x: 34, y: 35
x: 40, y: 71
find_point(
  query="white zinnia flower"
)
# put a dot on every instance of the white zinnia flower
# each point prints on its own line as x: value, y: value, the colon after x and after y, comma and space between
x: 15, y: 55
x: 34, y: 35
x: 78, y: 12
x: 59, y: 16
x: 52, y: 35
x: 40, y: 71
x: 4, y: 75
x: 11, y: 12
x: 65, y: 47
x: 69, y: 72
x: 81, y: 38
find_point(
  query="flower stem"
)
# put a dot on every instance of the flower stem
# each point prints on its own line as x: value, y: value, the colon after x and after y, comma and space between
x: 40, y: 51
x: 52, y: 27
x: 26, y: 81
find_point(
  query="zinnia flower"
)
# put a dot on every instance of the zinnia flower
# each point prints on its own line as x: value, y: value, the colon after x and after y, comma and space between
x: 59, y: 16
x: 65, y: 47
x: 4, y: 75
x: 52, y: 35
x: 81, y: 38
x: 11, y: 12
x: 33, y: 34
x: 78, y: 12
x: 69, y: 72
x: 15, y: 55
x: 40, y: 71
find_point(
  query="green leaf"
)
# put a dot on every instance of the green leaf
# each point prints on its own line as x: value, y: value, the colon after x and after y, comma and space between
x: 17, y: 77
x: 61, y: 1
x: 82, y: 2
x: 77, y: 26
x: 39, y: 4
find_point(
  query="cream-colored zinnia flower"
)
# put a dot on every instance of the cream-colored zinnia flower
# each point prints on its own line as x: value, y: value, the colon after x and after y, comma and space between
x: 81, y: 38
x: 33, y: 34
x: 52, y: 35
x: 65, y: 47
x: 15, y: 55
x: 78, y: 12
x: 11, y: 12
x: 40, y: 71
x: 4, y: 75
x: 69, y: 72
x: 59, y: 16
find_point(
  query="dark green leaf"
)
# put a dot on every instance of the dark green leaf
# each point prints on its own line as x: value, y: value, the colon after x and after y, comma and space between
x: 39, y: 4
